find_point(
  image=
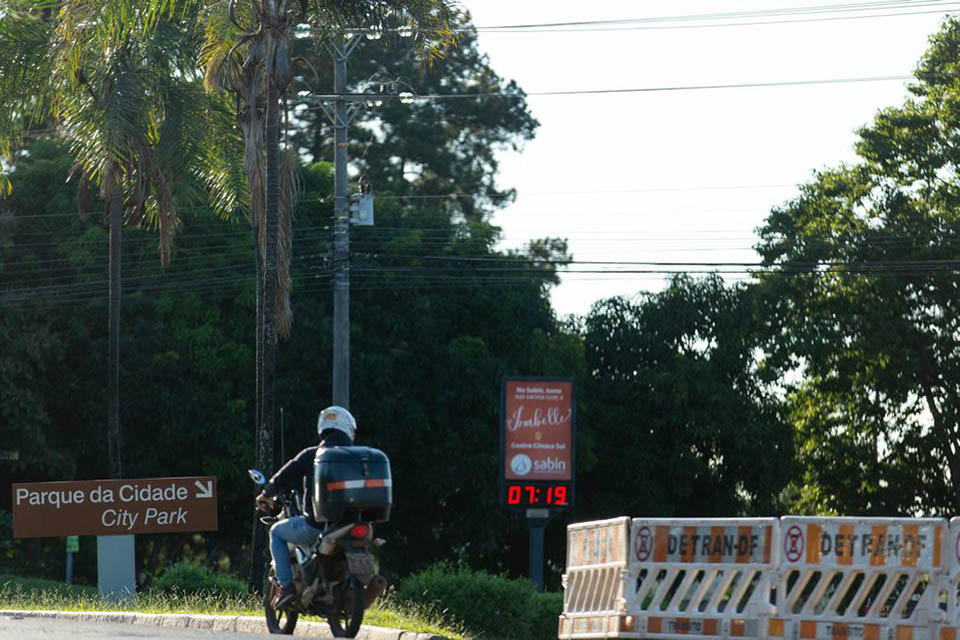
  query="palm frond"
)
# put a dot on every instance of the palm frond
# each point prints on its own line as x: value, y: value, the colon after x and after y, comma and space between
x: 25, y: 76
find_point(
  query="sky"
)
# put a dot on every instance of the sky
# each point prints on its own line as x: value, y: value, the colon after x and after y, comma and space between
x: 683, y: 176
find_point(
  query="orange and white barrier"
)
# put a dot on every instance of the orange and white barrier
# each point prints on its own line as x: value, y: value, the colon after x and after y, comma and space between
x: 595, y: 584
x: 796, y: 578
x: 869, y: 578
x: 703, y: 579
x: 951, y: 595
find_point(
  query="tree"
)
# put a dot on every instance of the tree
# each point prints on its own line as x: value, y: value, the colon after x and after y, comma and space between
x: 677, y: 421
x: 443, y: 152
x: 438, y: 314
x: 247, y: 52
x: 434, y: 339
x: 110, y: 79
x: 186, y: 328
x: 435, y: 302
x: 863, y: 308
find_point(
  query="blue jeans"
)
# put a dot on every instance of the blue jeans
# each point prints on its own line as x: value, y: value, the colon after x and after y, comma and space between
x: 293, y: 530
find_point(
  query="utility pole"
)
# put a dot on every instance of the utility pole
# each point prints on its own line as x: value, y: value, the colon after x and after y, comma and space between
x: 341, y: 230
x: 345, y: 107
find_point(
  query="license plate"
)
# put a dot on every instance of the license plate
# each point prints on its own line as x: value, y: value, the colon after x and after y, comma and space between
x: 361, y: 564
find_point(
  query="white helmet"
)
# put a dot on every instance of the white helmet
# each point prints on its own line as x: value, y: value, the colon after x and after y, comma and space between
x: 337, y: 418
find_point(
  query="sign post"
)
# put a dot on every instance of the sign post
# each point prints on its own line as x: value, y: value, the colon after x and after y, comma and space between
x: 116, y: 567
x: 114, y: 511
x: 537, y: 454
x: 73, y: 545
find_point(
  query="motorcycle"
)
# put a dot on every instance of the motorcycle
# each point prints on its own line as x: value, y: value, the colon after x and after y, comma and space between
x: 336, y: 578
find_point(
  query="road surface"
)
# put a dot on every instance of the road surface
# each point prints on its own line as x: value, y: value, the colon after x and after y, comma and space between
x: 16, y: 628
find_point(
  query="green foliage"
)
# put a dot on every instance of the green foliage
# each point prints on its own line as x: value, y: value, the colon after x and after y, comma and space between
x: 678, y: 421
x: 545, y: 610
x: 863, y: 310
x: 120, y: 87
x: 429, y: 349
x: 679, y: 414
x: 488, y: 606
x: 194, y: 579
x: 433, y: 147
x: 433, y: 333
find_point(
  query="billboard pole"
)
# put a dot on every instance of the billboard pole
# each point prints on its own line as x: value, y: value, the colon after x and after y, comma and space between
x: 536, y: 524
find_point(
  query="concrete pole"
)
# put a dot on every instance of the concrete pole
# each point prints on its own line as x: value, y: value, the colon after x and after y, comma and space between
x: 341, y: 239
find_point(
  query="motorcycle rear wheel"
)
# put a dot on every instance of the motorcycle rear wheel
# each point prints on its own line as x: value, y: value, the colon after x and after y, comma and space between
x: 278, y: 620
x: 345, y: 623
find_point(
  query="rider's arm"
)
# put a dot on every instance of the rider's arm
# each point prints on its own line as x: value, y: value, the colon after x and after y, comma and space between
x: 290, y: 475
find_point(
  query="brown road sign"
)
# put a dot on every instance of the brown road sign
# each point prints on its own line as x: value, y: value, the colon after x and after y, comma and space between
x: 114, y: 507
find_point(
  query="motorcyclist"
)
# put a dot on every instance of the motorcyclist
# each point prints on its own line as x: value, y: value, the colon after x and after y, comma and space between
x: 336, y: 427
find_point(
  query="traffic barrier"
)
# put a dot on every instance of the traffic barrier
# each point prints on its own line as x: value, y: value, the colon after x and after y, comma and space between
x: 797, y: 578
x: 701, y: 579
x: 689, y: 578
x: 952, y: 588
x: 595, y: 583
x: 860, y: 578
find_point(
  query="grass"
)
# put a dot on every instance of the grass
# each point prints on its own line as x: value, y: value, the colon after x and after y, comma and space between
x: 38, y: 586
x: 389, y: 612
x: 36, y: 594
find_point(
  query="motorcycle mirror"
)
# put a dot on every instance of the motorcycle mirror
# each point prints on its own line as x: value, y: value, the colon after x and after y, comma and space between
x: 256, y: 476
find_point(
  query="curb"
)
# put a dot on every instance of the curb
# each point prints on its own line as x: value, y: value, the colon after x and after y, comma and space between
x: 233, y: 624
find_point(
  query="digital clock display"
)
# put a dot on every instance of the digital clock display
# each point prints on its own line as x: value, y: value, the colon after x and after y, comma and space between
x: 546, y: 495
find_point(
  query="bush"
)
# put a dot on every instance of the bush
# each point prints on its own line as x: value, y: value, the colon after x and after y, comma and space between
x: 488, y: 606
x: 546, y: 611
x: 194, y: 579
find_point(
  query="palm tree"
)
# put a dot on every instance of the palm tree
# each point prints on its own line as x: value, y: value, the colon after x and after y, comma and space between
x: 247, y: 54
x: 91, y: 67
x: 113, y: 80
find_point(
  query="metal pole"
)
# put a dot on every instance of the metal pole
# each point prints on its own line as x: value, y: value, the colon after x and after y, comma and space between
x: 341, y: 239
x: 536, y: 527
x: 69, y: 575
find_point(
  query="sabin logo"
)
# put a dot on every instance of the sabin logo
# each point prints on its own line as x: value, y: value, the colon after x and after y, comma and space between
x: 550, y: 464
x: 521, y: 464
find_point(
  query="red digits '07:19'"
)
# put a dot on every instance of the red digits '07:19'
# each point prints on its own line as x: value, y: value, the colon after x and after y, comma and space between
x: 532, y: 494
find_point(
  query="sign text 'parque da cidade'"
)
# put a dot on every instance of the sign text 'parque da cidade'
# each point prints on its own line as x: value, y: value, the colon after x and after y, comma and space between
x: 114, y: 507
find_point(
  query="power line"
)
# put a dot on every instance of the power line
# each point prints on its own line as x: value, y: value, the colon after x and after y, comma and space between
x: 83, y: 297
x: 730, y: 15
x: 662, y: 89
x: 755, y: 23
x: 450, y: 196
x: 440, y: 242
x: 527, y: 269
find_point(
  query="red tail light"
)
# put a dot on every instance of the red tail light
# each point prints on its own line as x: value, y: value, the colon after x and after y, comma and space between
x: 359, y: 531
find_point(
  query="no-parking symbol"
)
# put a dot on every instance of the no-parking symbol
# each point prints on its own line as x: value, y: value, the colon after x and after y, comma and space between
x: 793, y: 543
x: 644, y: 544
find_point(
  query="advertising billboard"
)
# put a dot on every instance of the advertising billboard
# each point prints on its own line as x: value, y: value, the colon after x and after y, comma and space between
x: 537, y: 435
